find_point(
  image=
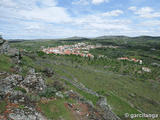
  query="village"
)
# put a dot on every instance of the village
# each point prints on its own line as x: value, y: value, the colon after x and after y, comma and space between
x: 81, y: 49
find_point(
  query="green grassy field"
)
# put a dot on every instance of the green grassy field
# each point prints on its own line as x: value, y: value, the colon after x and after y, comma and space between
x: 56, y: 109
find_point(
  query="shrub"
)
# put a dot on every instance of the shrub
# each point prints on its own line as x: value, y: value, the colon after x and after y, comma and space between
x: 48, y: 92
x: 40, y: 53
x: 59, y: 86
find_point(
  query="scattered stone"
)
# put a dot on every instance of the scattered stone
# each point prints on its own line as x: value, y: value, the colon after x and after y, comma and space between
x: 59, y: 94
x: 146, y: 69
x: 156, y: 64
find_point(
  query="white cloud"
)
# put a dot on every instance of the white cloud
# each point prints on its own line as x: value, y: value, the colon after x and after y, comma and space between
x: 113, y: 13
x: 87, y: 2
x: 46, y: 10
x: 133, y: 8
x: 145, y: 12
x: 7, y: 3
x: 31, y: 26
x: 50, y: 14
x: 99, y: 1
x: 81, y: 2
x: 103, y: 22
x: 48, y: 3
x: 151, y: 23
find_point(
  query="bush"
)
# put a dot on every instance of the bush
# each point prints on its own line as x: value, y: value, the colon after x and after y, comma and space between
x: 40, y: 53
x: 48, y: 92
x: 59, y: 86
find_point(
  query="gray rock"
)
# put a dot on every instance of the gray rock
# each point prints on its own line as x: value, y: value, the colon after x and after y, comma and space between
x: 106, y: 110
x: 59, y: 94
x: 32, y: 71
x: 34, y: 82
x: 13, y: 52
x: 7, y: 84
x: 28, y: 113
x: 156, y: 64
x: 102, y: 102
x: 3, y: 47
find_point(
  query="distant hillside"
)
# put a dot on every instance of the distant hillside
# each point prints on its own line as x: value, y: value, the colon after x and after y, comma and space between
x: 112, y: 37
x: 75, y: 39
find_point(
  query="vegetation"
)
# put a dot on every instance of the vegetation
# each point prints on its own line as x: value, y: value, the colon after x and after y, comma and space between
x: 127, y: 88
x: 5, y: 63
x: 20, y: 89
x: 3, y: 106
x: 56, y: 109
x: 49, y: 92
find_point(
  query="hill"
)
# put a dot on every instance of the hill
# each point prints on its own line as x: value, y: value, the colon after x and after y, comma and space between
x: 73, y: 84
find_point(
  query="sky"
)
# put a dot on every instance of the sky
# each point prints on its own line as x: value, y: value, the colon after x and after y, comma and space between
x: 33, y: 19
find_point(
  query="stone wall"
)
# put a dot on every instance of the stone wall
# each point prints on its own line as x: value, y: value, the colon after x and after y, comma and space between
x: 102, y: 102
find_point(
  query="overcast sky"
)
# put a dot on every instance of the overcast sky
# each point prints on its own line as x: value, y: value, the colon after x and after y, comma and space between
x: 31, y: 19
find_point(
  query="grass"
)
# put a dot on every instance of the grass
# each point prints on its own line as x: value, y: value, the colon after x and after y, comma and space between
x: 56, y: 109
x: 120, y: 107
x: 20, y: 89
x: 88, y: 96
x: 5, y: 63
x: 122, y: 86
x: 2, y: 106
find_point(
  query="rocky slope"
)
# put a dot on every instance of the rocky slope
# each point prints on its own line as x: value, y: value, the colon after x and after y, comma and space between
x: 21, y: 94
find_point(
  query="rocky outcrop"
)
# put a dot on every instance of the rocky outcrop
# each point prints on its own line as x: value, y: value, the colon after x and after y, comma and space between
x: 12, y: 52
x: 27, y: 113
x: 14, y: 90
x: 3, y: 46
x: 7, y: 85
x: 34, y: 82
